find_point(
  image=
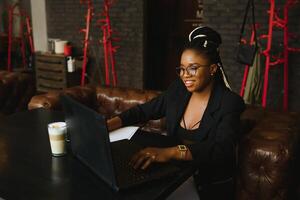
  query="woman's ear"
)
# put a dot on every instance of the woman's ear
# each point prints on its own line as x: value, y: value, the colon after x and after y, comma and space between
x: 213, y: 68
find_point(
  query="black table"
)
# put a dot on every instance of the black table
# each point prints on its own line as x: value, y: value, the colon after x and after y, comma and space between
x: 28, y: 171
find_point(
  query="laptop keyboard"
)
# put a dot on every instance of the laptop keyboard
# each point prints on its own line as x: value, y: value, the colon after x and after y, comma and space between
x: 135, y: 175
x: 125, y: 171
x: 127, y: 175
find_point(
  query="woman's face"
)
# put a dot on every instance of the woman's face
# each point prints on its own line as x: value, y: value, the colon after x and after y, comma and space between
x: 201, y: 71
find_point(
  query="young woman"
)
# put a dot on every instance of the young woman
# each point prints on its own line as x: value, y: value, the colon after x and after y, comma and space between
x: 201, y: 111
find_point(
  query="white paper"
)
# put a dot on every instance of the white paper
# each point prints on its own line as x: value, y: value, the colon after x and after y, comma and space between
x: 122, y: 133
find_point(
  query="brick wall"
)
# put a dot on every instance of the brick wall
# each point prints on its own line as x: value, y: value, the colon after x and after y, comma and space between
x: 66, y: 18
x: 128, y: 19
x: 226, y: 16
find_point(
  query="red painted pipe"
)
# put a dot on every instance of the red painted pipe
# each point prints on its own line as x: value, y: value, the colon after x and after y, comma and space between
x: 29, y: 35
x: 24, y: 21
x: 108, y: 48
x: 22, y: 44
x: 246, y: 71
x: 267, y: 54
x: 275, y: 20
x: 86, y: 39
x: 107, y: 79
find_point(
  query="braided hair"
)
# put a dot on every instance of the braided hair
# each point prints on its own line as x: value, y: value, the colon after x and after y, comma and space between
x: 206, y: 41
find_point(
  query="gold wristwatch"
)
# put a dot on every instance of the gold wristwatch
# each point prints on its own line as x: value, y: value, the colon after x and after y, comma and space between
x: 182, y: 149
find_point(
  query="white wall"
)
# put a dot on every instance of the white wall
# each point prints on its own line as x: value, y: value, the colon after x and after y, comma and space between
x: 39, y: 24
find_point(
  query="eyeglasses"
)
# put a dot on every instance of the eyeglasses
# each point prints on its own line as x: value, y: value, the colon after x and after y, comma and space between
x: 191, y: 70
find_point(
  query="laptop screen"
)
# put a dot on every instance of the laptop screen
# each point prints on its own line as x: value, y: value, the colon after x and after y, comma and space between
x: 89, y: 138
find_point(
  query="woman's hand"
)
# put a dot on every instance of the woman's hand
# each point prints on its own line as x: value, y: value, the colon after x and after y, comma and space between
x: 114, y: 123
x: 146, y: 156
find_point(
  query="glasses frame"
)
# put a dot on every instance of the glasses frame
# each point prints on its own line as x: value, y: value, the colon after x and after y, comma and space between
x: 188, y: 69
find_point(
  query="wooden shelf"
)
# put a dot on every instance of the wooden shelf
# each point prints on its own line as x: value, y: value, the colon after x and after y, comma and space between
x: 51, y: 72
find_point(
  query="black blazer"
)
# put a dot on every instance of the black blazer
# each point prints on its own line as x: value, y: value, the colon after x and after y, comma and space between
x: 214, y: 150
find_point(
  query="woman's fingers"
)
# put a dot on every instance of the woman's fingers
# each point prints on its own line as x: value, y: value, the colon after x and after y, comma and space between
x: 144, y: 158
x: 135, y: 157
x: 147, y: 163
x: 140, y: 160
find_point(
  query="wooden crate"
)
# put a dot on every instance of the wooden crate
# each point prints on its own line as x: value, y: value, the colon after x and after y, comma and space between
x: 51, y: 72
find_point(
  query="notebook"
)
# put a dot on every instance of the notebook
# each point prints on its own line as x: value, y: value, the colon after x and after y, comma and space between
x: 90, y: 144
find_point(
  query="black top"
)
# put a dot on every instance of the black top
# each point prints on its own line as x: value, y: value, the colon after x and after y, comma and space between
x: 214, y: 150
x: 187, y: 136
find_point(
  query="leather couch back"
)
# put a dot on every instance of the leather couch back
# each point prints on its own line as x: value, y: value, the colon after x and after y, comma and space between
x: 113, y: 101
x: 105, y: 100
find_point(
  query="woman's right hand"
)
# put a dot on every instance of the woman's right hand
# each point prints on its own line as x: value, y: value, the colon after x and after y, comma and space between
x: 114, y: 123
x: 146, y: 156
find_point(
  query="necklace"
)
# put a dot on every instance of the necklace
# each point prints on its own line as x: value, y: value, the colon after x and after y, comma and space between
x: 184, y: 124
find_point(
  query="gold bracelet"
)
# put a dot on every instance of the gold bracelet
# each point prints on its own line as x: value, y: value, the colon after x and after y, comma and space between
x: 182, y: 149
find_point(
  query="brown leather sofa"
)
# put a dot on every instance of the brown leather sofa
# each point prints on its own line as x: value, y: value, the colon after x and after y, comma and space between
x: 16, y: 90
x: 268, y: 151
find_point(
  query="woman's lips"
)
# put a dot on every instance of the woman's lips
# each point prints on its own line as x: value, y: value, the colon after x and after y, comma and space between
x: 189, y: 83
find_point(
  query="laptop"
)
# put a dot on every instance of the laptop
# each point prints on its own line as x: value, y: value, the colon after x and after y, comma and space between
x: 90, y: 144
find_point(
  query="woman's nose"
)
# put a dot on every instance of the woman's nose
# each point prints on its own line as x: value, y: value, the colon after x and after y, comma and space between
x: 186, y: 73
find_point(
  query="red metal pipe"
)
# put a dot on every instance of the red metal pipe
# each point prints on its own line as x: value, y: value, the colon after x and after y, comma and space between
x: 29, y: 34
x: 267, y: 54
x: 22, y: 44
x: 24, y: 20
x: 107, y: 78
x: 109, y: 50
x: 275, y: 20
x: 86, y: 41
x: 246, y: 71
x: 111, y: 53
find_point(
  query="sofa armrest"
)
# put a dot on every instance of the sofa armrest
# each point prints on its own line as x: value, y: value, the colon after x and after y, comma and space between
x: 84, y: 94
x: 49, y: 101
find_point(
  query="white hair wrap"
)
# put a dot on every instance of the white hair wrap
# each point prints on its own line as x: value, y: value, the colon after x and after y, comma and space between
x: 199, y: 36
x: 211, y: 40
x: 190, y: 35
x: 224, y: 77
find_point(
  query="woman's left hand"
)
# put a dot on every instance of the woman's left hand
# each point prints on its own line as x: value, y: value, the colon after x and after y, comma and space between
x: 145, y: 157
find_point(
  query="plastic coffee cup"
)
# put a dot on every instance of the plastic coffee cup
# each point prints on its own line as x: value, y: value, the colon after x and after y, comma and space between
x: 57, y: 136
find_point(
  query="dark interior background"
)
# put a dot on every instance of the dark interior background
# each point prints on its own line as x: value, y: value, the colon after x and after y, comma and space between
x: 152, y: 33
x: 167, y: 24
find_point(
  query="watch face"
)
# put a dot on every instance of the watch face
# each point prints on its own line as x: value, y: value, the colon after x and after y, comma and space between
x: 182, y: 147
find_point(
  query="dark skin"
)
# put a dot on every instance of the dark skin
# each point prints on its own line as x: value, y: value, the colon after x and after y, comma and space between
x: 200, y: 85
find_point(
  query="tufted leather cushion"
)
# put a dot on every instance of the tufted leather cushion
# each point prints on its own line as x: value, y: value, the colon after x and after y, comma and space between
x: 16, y: 89
x: 267, y: 158
x: 86, y: 95
x: 105, y: 100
